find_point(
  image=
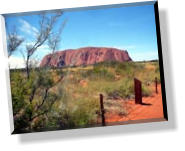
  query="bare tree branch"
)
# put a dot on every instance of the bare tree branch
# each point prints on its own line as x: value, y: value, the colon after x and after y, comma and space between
x: 32, y: 94
x: 46, y: 25
x: 44, y: 98
x: 54, y: 38
x: 45, y: 111
x: 14, y: 41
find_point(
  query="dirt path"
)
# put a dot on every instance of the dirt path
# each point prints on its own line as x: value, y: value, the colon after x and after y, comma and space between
x: 152, y: 108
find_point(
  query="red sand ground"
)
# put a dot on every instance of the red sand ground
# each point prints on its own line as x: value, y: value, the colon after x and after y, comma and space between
x: 153, y: 108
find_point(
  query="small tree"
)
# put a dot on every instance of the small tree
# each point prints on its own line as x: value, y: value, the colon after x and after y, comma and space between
x: 46, y: 25
x: 34, y: 100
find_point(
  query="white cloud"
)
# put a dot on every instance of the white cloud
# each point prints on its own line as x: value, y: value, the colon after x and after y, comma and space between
x: 26, y: 43
x: 39, y: 53
x: 19, y: 62
x: 27, y: 28
x: 16, y: 62
x: 144, y: 56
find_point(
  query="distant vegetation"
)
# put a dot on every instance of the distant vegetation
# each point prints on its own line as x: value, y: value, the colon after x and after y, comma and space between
x: 69, y: 97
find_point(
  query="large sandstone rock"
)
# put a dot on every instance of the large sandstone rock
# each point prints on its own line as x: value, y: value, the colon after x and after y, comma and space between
x: 84, y: 56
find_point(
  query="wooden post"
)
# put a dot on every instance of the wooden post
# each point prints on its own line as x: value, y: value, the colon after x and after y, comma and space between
x: 102, y: 110
x: 138, y: 91
x: 156, y: 85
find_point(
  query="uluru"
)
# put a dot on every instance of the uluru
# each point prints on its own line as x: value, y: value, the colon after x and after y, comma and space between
x: 84, y: 56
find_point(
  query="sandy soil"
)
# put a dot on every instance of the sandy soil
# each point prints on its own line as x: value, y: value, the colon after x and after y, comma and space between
x: 152, y: 107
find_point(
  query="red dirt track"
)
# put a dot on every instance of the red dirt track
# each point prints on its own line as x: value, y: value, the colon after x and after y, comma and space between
x: 152, y: 108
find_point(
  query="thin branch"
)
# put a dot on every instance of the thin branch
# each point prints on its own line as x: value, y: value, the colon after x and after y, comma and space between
x: 14, y: 41
x: 32, y: 94
x: 44, y: 98
x: 44, y: 112
x: 46, y: 25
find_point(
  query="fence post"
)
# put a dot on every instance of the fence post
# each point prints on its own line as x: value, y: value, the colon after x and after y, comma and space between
x: 138, y: 91
x: 156, y: 85
x: 102, y: 110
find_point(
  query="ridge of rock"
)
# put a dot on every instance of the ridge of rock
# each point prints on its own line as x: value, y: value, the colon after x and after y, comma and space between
x: 84, y: 56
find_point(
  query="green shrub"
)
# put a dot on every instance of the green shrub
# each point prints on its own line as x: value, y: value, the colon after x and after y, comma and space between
x: 98, y: 73
x: 125, y: 91
x: 18, y: 90
x: 78, y: 113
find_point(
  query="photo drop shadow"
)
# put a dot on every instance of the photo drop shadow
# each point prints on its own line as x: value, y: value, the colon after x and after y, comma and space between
x: 129, y: 129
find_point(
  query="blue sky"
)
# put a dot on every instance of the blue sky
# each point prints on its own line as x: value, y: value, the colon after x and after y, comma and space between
x: 129, y: 28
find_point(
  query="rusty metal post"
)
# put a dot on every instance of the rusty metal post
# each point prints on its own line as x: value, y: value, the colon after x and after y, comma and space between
x: 156, y: 85
x: 102, y: 110
x: 138, y: 91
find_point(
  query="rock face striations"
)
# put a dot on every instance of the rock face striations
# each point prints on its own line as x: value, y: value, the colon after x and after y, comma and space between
x: 84, y: 56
